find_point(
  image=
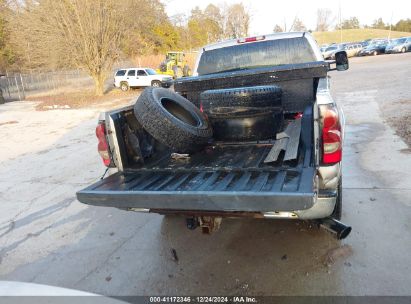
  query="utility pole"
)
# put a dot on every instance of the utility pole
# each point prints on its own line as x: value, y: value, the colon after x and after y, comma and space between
x: 389, y: 33
x: 340, y: 23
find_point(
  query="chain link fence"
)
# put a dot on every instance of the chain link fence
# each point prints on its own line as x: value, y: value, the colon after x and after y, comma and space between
x: 18, y: 86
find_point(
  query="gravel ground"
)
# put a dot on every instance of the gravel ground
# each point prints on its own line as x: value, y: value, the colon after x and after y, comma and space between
x: 390, y: 76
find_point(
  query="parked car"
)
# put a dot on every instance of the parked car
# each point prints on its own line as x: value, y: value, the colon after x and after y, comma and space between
x: 139, y: 77
x: 329, y: 53
x: 365, y: 42
x: 171, y: 159
x: 376, y: 47
x: 400, y: 45
x: 353, y: 49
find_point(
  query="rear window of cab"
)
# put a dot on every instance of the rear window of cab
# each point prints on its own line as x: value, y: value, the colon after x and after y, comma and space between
x: 254, y: 55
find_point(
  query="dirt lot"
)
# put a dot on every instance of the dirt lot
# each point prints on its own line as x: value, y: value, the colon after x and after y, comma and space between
x: 81, y: 99
x: 47, y: 236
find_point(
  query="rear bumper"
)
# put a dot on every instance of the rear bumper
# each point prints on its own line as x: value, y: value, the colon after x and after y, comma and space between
x: 319, y: 206
x: 323, y: 207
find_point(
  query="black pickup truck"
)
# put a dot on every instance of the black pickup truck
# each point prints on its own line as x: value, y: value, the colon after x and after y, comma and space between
x: 275, y: 151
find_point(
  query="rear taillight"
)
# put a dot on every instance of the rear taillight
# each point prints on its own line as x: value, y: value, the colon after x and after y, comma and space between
x: 331, y: 135
x: 102, y: 143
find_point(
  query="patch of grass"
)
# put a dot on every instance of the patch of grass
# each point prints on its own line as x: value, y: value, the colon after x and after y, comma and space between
x: 355, y: 35
x: 80, y: 99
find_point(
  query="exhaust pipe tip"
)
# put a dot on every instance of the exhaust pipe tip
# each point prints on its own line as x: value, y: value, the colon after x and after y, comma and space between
x: 336, y: 228
x: 344, y: 233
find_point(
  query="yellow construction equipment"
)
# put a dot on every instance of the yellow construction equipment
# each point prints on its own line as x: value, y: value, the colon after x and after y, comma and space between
x: 175, y: 64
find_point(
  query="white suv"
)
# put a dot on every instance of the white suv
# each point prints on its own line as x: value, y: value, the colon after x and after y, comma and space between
x: 139, y: 77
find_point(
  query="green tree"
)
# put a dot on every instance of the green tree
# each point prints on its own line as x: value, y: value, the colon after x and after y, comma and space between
x: 351, y: 23
x: 404, y: 25
x: 7, y: 56
x: 204, y: 27
x: 378, y: 24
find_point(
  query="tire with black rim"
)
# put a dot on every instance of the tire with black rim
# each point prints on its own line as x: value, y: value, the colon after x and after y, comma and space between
x: 247, y: 97
x: 124, y: 86
x: 156, y: 84
x: 172, y: 120
x: 337, y: 213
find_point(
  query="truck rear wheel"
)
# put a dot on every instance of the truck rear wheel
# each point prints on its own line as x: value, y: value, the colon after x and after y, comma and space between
x: 172, y: 120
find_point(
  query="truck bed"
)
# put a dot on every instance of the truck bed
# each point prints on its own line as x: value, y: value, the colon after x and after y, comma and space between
x: 222, y: 177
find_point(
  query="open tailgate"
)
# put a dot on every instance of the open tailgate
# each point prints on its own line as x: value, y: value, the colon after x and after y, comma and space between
x: 219, y: 190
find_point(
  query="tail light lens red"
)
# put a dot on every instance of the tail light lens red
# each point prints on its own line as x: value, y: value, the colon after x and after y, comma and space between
x: 250, y: 39
x: 331, y: 135
x: 102, y: 146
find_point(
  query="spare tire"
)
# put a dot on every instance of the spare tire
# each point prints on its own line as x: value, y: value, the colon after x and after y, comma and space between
x: 258, y: 96
x: 172, y: 120
x: 255, y: 125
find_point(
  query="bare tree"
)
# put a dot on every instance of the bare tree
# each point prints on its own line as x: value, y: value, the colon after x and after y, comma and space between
x: 298, y: 26
x: 324, y: 19
x: 238, y: 21
x: 83, y: 33
x: 278, y: 29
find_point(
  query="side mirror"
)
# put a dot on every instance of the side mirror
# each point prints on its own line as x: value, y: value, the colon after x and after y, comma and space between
x: 341, y: 61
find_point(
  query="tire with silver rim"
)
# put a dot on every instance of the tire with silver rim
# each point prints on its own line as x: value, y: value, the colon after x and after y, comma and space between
x: 124, y: 86
x: 156, y: 84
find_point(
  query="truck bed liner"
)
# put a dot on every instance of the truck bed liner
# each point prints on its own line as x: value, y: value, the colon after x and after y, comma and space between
x: 222, y: 177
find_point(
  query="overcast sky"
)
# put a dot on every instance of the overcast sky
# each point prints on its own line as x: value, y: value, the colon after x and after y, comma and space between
x: 265, y: 14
